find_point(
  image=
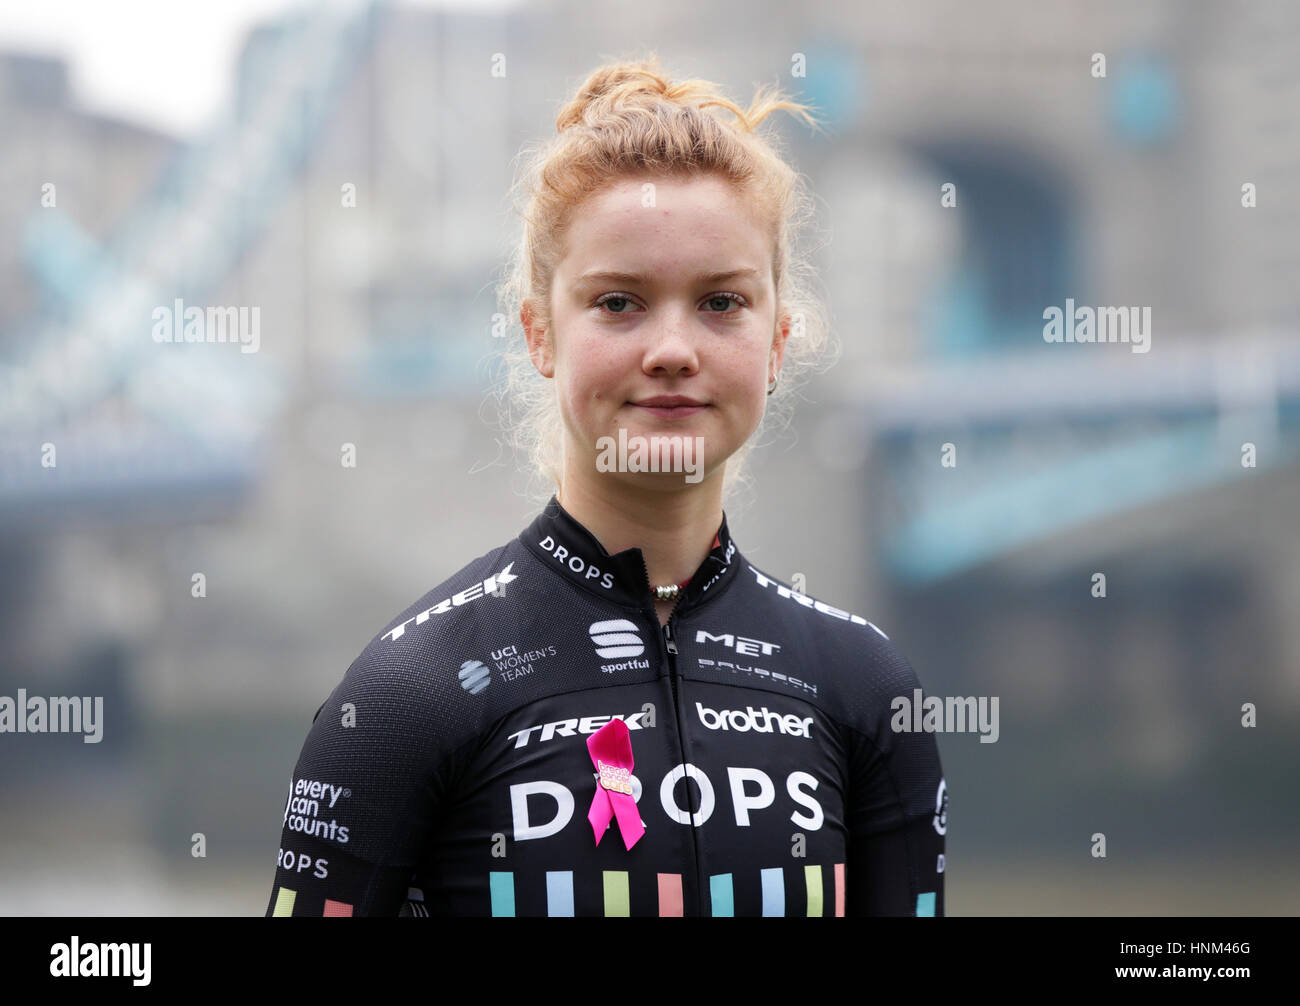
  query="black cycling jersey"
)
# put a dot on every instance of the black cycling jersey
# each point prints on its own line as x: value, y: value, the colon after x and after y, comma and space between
x: 449, y: 772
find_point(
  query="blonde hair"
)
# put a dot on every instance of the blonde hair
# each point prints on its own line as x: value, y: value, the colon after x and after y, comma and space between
x: 629, y: 118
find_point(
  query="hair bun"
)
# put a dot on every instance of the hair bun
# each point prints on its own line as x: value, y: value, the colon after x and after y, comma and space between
x: 613, y: 85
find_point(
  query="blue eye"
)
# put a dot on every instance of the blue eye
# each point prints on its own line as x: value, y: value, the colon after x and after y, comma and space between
x: 617, y: 298
x: 610, y: 298
x: 725, y: 298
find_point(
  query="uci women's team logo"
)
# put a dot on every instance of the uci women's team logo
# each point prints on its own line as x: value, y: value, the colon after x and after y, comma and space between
x: 618, y: 637
x: 510, y: 664
x: 474, y: 677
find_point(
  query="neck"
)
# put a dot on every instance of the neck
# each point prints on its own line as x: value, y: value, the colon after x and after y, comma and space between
x: 674, y: 530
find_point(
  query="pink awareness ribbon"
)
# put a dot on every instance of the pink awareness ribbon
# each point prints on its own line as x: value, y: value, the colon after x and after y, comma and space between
x: 610, y: 748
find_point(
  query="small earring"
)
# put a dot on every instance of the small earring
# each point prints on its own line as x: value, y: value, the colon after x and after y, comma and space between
x: 772, y: 387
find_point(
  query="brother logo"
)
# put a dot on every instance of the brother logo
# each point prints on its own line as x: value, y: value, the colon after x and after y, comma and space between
x: 761, y: 722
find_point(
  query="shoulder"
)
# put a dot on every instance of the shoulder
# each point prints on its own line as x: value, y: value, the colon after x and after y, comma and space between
x: 420, y: 669
x: 773, y: 587
x: 857, y: 669
x: 862, y: 682
x: 453, y: 603
x: 433, y: 659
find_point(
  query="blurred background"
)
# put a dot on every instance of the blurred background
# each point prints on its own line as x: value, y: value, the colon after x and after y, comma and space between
x: 154, y: 152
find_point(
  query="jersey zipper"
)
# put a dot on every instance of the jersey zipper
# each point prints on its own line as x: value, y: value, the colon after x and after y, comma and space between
x: 670, y: 654
x: 669, y: 645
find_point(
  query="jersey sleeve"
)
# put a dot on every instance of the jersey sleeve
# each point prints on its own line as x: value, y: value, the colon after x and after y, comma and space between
x: 363, y: 798
x: 897, y: 801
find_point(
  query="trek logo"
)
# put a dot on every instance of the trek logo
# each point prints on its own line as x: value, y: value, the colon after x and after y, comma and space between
x: 488, y: 586
x: 576, y: 563
x: 586, y: 725
x: 618, y: 637
x: 783, y: 591
x: 761, y: 722
x: 741, y: 644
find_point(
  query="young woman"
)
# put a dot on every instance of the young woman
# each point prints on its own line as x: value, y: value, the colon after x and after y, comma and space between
x: 615, y: 713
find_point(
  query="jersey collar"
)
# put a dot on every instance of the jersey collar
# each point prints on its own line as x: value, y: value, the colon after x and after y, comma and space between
x: 562, y: 543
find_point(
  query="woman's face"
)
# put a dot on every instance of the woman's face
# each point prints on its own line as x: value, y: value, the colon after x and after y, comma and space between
x: 665, y: 291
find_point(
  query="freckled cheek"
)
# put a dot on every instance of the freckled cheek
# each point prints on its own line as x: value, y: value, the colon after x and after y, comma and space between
x: 592, y: 395
x: 599, y: 380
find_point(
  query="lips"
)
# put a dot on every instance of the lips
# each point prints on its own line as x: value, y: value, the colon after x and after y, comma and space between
x: 668, y: 402
x: 670, y: 406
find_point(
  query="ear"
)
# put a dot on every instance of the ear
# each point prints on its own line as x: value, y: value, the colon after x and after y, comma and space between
x: 779, y: 336
x: 538, y: 337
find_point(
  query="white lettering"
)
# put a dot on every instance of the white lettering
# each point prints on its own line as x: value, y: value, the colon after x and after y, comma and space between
x: 813, y: 821
x: 102, y: 960
x: 668, y: 800
x: 761, y: 721
x: 742, y: 803
x: 488, y: 586
x: 524, y: 828
x: 570, y: 728
x: 564, y: 728
x: 783, y: 591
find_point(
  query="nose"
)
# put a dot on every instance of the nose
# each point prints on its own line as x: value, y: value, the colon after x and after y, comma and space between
x: 672, y: 349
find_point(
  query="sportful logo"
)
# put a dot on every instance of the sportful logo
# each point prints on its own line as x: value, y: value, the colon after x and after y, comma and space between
x: 618, y: 637
x: 808, y: 602
x: 471, y: 592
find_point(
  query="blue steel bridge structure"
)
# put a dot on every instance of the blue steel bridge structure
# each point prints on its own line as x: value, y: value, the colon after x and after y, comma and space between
x: 1049, y: 438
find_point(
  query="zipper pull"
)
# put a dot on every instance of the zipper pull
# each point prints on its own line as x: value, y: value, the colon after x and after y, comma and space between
x: 668, y: 636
